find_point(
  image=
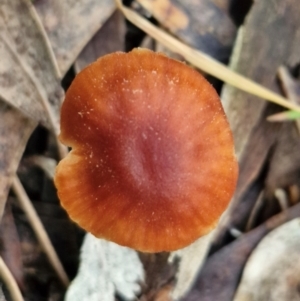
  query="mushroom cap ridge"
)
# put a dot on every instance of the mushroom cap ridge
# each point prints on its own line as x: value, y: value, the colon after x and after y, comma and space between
x: 152, y: 165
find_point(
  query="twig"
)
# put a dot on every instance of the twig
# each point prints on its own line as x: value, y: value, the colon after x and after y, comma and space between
x: 10, y: 282
x: 204, y: 62
x: 39, y: 230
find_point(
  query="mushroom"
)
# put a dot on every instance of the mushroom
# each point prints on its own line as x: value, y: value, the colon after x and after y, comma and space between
x: 152, y: 165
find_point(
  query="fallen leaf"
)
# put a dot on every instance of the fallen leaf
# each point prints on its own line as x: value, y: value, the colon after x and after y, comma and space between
x: 191, y: 260
x: 109, y: 38
x: 221, y: 273
x: 257, y: 55
x: 71, y: 24
x: 272, y: 271
x: 28, y: 78
x: 28, y: 82
x: 200, y: 24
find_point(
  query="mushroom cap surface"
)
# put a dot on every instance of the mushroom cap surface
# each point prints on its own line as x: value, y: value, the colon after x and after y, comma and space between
x: 152, y: 165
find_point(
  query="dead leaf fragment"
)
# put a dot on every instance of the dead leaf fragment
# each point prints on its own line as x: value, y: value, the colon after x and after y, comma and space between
x: 221, y: 273
x: 71, y: 24
x: 167, y: 11
x: 191, y: 260
x: 109, y: 38
x: 258, y: 55
x: 272, y: 271
x: 28, y: 78
x: 200, y: 24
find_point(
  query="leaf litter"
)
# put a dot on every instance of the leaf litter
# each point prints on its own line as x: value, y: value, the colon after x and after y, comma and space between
x: 50, y: 41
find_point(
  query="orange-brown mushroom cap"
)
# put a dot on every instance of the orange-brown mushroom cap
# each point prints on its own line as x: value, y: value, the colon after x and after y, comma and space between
x: 152, y: 165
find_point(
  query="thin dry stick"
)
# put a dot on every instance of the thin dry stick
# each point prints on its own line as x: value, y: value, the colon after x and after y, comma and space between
x: 204, y: 62
x: 39, y: 230
x: 10, y: 282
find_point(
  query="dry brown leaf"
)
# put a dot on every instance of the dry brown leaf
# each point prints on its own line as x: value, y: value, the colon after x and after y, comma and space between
x: 28, y: 78
x: 109, y: 38
x: 272, y: 271
x: 258, y: 56
x: 191, y: 260
x: 221, y: 273
x: 28, y: 82
x: 200, y: 24
x: 70, y: 24
x: 205, y: 62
